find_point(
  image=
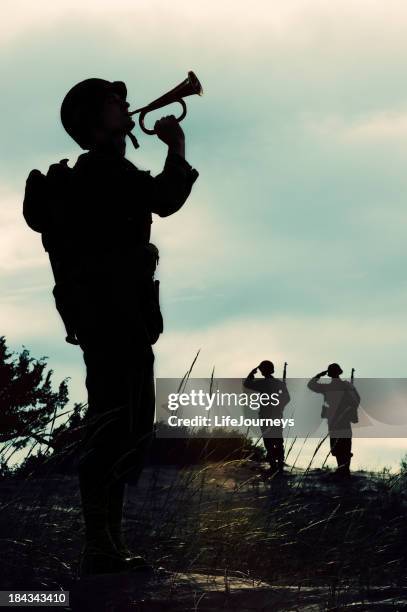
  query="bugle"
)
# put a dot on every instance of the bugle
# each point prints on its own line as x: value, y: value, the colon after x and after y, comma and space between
x: 190, y: 86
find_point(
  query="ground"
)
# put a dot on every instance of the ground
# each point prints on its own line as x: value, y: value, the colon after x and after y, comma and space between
x: 227, y: 537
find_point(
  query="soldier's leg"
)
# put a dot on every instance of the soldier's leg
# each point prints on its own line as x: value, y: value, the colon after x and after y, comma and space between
x: 116, y: 498
x: 269, y: 446
x: 106, y: 396
x: 135, y: 418
x: 334, y: 446
x: 279, y: 452
x: 344, y: 455
x: 119, y: 379
x: 341, y: 449
x: 349, y: 451
x: 137, y: 427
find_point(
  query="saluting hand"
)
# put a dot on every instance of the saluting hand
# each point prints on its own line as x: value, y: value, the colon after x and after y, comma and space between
x: 321, y: 374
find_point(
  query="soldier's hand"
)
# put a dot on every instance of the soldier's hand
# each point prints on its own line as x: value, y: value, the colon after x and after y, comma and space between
x: 253, y: 371
x: 34, y: 174
x: 169, y: 131
x: 56, y: 169
x: 321, y: 374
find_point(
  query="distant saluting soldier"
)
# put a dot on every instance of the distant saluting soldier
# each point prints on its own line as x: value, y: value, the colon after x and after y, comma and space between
x: 272, y: 436
x: 341, y: 401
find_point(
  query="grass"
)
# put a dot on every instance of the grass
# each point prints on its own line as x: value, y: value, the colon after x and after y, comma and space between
x: 221, y: 518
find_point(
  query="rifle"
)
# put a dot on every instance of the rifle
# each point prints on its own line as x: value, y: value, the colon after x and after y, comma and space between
x: 354, y: 409
x: 285, y: 371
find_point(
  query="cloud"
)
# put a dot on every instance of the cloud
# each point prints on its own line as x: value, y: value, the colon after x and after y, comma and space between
x: 292, y: 242
x: 377, y: 129
x: 233, y: 347
x: 20, y: 248
x: 307, y: 343
x: 288, y: 18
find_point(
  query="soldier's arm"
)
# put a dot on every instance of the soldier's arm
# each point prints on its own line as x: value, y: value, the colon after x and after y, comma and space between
x: 316, y: 386
x: 250, y: 382
x: 170, y: 189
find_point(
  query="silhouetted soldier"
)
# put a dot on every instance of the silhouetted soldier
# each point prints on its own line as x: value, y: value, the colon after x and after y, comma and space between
x: 272, y: 436
x: 340, y: 409
x: 95, y: 220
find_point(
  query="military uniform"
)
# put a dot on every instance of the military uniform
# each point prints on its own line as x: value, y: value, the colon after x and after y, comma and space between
x: 272, y: 436
x: 340, y: 399
x: 95, y: 221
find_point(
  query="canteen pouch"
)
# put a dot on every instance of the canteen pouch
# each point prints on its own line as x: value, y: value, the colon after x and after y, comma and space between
x: 151, y: 298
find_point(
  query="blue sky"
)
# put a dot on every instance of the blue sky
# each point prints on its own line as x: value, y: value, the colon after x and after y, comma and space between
x: 292, y: 245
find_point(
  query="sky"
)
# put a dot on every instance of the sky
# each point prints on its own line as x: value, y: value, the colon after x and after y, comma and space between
x: 291, y: 246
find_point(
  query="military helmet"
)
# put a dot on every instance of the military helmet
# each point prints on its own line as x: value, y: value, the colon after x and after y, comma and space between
x: 334, y: 369
x: 266, y: 367
x: 82, y: 103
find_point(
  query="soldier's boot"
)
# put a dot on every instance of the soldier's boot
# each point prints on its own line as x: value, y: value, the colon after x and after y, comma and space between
x: 273, y: 469
x: 99, y: 555
x: 276, y: 460
x: 280, y: 466
x: 115, y: 521
x: 343, y: 470
x: 280, y: 459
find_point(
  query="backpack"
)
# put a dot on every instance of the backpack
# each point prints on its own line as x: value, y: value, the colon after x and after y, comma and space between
x: 353, y: 402
x: 43, y: 215
x: 45, y: 198
x: 349, y: 402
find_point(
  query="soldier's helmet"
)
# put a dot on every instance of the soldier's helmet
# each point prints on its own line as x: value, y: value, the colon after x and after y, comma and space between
x: 334, y: 370
x: 266, y: 367
x: 81, y: 104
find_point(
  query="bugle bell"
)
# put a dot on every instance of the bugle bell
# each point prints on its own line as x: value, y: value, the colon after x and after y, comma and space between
x: 190, y: 86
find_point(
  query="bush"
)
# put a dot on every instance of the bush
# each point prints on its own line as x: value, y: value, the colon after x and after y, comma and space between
x: 194, y: 448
